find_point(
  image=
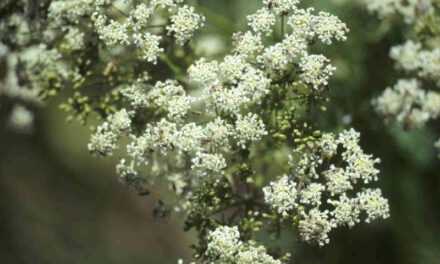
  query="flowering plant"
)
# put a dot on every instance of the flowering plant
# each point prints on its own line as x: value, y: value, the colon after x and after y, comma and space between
x: 207, y: 129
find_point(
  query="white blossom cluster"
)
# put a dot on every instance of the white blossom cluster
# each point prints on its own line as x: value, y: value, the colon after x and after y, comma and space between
x: 137, y: 28
x: 16, y: 72
x: 230, y: 86
x: 303, y: 191
x: 205, y: 145
x: 323, y: 26
x: 248, y: 128
x: 408, y: 104
x: 26, y: 72
x: 234, y: 84
x: 165, y: 137
x: 262, y: 21
x: 197, y: 132
x: 103, y: 141
x: 410, y: 9
x: 192, y: 129
x: 45, y: 65
x: 74, y: 40
x: 225, y: 246
x: 412, y: 58
x: 61, y: 11
x: 316, y: 70
x: 184, y: 23
x: 168, y: 95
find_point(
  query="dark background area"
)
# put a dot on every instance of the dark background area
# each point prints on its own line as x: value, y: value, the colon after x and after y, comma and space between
x: 58, y: 204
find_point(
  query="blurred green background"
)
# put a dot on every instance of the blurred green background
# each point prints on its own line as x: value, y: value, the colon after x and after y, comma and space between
x: 60, y: 205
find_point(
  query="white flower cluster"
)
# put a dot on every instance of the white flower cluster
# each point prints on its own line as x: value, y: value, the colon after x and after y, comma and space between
x: 248, y: 128
x: 171, y: 96
x: 165, y: 3
x: 203, y: 146
x: 165, y: 137
x: 45, y: 65
x: 323, y: 26
x: 236, y: 83
x: 282, y: 195
x: 316, y: 70
x: 184, y: 23
x: 188, y: 152
x: 225, y: 246
x: 231, y: 89
x: 230, y: 86
x: 205, y: 163
x: 103, y: 141
x: 408, y: 104
x: 148, y: 45
x: 134, y: 30
x: 62, y: 12
x: 168, y: 95
x: 302, y: 192
x: 410, y: 10
x: 262, y: 21
x: 247, y: 43
x: 411, y: 57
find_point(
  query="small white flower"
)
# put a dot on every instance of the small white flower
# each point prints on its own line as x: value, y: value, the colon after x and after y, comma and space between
x: 337, y: 180
x: 262, y: 21
x: 120, y: 120
x: 346, y: 211
x: 315, y: 226
x: 372, y: 202
x: 249, y: 128
x: 103, y: 141
x: 204, y: 73
x: 224, y: 241
x: 218, y: 131
x: 247, y: 43
x: 206, y: 164
x: 148, y: 46
x: 312, y: 194
x: 324, y: 26
x: 140, y: 16
x: 184, y: 24
x: 316, y: 70
x: 274, y: 57
x: 407, y: 55
x: 282, y: 195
